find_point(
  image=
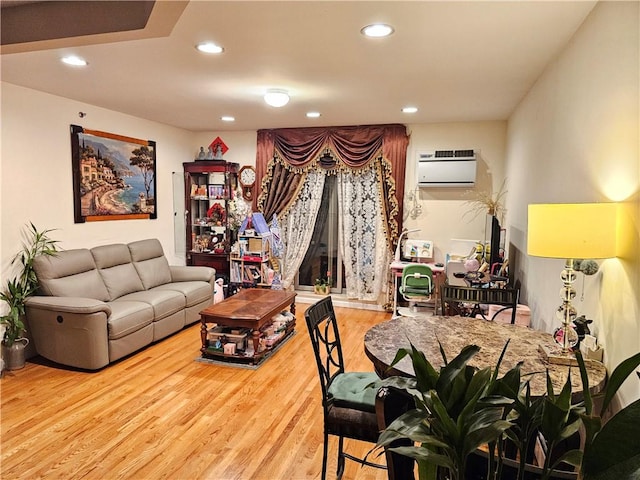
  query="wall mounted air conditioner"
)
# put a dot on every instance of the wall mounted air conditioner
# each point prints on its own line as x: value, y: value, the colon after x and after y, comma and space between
x: 447, y: 168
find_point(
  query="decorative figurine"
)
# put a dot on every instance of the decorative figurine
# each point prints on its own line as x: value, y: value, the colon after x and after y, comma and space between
x: 218, y: 152
x: 202, y: 155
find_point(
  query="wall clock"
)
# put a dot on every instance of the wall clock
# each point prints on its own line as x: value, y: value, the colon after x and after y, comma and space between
x: 247, y: 179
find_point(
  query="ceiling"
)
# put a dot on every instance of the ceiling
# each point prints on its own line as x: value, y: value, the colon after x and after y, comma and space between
x: 453, y: 60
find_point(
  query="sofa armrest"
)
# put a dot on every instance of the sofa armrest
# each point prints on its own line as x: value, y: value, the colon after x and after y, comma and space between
x: 80, y: 305
x: 70, y: 330
x: 190, y: 274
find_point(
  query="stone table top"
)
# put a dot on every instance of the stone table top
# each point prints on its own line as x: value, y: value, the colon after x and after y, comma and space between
x: 382, y: 342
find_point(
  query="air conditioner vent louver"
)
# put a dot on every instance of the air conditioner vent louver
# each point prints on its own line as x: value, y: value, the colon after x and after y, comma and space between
x: 447, y: 168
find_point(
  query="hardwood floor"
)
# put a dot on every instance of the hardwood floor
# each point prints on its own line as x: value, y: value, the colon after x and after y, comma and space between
x: 159, y: 414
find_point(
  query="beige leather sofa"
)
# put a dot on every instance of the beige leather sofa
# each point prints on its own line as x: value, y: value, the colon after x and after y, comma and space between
x: 96, y: 306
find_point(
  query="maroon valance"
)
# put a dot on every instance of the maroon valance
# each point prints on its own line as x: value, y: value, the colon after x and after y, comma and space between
x: 351, y: 147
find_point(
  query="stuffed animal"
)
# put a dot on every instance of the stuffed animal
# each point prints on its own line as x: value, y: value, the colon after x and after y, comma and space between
x: 218, y: 291
x: 582, y: 328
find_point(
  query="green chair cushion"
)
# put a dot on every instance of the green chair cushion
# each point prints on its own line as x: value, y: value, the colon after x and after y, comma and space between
x: 353, y: 390
x: 416, y: 291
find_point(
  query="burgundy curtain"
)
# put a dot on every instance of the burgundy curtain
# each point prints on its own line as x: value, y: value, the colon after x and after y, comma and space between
x: 284, y: 155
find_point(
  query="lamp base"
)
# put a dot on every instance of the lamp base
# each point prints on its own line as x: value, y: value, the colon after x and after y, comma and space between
x: 556, y: 356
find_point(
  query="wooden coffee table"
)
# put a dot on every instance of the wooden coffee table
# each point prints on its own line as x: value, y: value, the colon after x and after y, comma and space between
x: 250, y: 308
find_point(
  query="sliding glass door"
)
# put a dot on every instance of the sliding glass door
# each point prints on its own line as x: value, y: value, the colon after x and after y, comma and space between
x: 322, y: 260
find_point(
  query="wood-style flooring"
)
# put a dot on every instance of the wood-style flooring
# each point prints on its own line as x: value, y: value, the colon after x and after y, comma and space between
x: 159, y: 414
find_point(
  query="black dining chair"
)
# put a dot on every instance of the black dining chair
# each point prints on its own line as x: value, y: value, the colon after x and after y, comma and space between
x: 348, y: 398
x: 467, y: 301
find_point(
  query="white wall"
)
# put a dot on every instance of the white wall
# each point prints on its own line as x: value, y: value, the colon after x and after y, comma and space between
x: 36, y: 179
x: 575, y: 138
x: 446, y: 212
x: 242, y: 145
x: 37, y: 185
x: 443, y: 209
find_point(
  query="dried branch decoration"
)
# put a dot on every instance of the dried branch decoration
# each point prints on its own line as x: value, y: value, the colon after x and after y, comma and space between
x: 489, y: 203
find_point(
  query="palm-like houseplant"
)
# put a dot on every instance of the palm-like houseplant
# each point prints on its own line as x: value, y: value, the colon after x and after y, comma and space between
x: 461, y: 408
x: 25, y: 284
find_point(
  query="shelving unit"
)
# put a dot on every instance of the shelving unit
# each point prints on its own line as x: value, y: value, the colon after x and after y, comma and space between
x: 251, y: 265
x: 208, y: 237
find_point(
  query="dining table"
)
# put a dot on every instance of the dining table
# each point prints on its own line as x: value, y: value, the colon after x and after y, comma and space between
x: 453, y: 333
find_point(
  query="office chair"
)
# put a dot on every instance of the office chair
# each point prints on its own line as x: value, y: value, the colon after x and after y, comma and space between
x: 417, y: 284
x: 348, y: 398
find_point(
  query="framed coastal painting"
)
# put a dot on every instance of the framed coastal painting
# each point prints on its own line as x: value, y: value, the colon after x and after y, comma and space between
x: 114, y: 176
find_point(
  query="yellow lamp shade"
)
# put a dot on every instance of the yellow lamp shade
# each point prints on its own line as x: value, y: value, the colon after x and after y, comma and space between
x: 572, y: 230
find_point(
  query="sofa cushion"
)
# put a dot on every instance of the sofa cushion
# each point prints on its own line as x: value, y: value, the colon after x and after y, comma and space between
x: 70, y: 273
x: 194, y: 292
x: 128, y: 317
x: 163, y: 302
x: 117, y: 270
x: 150, y: 262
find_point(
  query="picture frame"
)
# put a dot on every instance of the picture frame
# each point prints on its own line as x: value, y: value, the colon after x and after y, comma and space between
x: 216, y: 191
x: 114, y: 176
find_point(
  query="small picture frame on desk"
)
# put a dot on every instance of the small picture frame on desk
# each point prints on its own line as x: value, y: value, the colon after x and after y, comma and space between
x: 420, y: 250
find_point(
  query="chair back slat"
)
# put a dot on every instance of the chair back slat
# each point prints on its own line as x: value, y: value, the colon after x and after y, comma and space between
x: 325, y: 338
x: 454, y: 297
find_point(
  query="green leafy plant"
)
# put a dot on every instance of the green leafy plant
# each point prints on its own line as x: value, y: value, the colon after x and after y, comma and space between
x: 455, y: 412
x: 25, y: 283
x: 460, y: 408
x: 612, y: 450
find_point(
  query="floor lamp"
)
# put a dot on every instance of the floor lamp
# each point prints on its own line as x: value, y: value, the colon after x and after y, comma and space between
x: 571, y: 231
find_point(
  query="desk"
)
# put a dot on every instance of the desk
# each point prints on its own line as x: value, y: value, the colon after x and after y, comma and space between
x: 396, y: 271
x: 382, y: 342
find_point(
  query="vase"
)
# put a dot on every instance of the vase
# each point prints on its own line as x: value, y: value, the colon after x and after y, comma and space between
x: 321, y: 289
x: 13, y: 356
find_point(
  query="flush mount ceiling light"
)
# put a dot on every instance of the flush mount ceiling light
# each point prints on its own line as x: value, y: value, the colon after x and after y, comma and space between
x: 377, y: 30
x: 227, y: 118
x: 209, y: 47
x: 409, y: 110
x: 313, y: 114
x: 276, y: 97
x: 75, y: 61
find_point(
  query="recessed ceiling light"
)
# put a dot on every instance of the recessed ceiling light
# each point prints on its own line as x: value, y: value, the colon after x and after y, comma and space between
x: 209, y: 47
x: 276, y: 97
x: 409, y: 110
x: 377, y: 30
x: 227, y: 118
x: 313, y: 114
x: 75, y: 61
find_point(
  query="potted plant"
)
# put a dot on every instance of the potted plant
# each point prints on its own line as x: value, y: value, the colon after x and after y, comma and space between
x: 322, y: 286
x: 17, y: 290
x: 457, y: 411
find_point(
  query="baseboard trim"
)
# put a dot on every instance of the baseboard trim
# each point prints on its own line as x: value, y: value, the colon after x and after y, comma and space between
x: 339, y: 300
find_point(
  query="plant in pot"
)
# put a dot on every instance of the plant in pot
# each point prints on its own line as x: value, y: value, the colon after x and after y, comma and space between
x: 455, y: 413
x: 322, y: 286
x: 458, y: 410
x: 17, y: 290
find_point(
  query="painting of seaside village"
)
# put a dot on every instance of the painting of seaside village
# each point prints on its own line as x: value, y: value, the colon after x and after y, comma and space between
x: 114, y: 176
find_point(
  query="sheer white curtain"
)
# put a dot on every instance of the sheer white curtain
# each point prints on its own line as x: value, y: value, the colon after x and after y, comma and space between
x: 297, y: 227
x: 361, y: 234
